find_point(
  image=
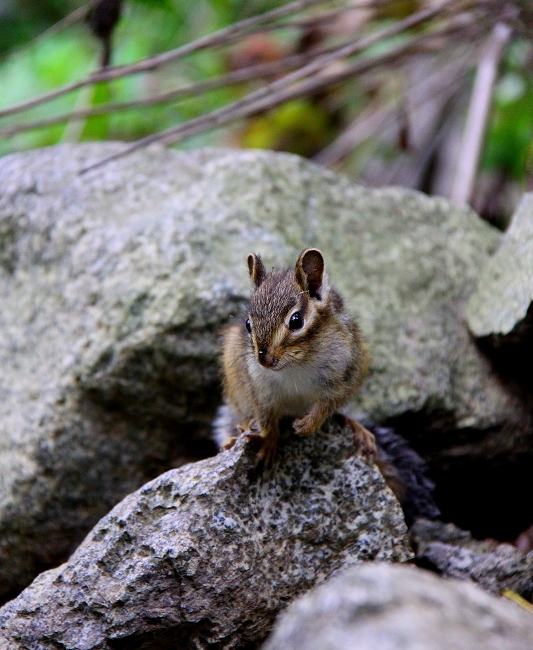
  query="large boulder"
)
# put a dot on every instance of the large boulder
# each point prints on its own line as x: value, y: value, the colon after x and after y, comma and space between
x: 209, y: 553
x: 396, y: 607
x: 114, y: 287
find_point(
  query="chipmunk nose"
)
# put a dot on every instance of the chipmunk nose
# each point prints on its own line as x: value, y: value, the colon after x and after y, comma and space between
x: 266, y: 358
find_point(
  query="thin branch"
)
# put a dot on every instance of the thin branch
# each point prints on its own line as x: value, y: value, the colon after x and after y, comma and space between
x: 478, y: 114
x: 278, y: 92
x: 303, y: 88
x: 234, y: 77
x: 376, y: 116
x: 323, y: 17
x: 221, y: 37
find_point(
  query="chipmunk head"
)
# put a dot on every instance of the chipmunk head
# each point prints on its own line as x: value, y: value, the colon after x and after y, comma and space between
x: 286, y: 309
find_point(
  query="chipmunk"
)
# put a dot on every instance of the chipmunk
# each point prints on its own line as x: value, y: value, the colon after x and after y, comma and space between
x: 299, y: 353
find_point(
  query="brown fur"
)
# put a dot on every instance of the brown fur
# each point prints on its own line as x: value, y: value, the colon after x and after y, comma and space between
x: 307, y: 373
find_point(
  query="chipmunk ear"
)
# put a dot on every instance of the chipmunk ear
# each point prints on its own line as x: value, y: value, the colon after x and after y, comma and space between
x: 256, y: 269
x: 309, y: 272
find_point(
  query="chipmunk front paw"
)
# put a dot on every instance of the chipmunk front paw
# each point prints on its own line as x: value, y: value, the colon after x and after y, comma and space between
x: 240, y: 429
x: 268, y: 446
x: 229, y: 442
x: 304, y: 426
x: 267, y: 453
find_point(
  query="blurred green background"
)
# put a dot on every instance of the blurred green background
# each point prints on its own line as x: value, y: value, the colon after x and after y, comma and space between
x: 33, y: 61
x: 31, y: 65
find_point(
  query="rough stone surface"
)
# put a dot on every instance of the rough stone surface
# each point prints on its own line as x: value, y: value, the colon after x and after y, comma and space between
x: 453, y: 552
x: 115, y: 284
x: 504, y: 295
x: 209, y: 553
x: 399, y: 607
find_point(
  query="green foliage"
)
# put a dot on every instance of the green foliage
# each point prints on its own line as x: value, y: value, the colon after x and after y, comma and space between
x: 510, y: 136
x: 35, y: 70
x: 231, y: 11
x: 23, y: 20
x: 147, y: 27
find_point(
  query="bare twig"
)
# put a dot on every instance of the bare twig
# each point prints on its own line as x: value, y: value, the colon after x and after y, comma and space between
x: 221, y: 37
x: 478, y: 114
x: 325, y: 17
x: 376, y: 116
x: 234, y: 77
x: 277, y: 92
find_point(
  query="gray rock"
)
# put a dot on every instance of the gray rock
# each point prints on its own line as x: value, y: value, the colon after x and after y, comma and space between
x: 114, y: 287
x: 504, y: 295
x: 108, y: 343
x: 209, y: 553
x: 398, y: 607
x: 454, y: 553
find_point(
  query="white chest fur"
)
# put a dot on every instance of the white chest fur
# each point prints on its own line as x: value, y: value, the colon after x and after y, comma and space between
x: 291, y: 391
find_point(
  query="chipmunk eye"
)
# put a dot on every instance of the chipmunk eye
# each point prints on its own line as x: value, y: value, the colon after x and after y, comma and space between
x: 296, y: 321
x: 248, y: 325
